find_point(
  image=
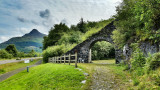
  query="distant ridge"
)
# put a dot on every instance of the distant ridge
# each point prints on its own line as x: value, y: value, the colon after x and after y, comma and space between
x: 34, y: 33
x: 32, y: 40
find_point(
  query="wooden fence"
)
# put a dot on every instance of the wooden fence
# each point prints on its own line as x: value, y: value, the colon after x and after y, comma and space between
x: 70, y: 58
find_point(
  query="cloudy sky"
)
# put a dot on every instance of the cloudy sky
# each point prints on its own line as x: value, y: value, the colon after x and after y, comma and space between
x: 18, y: 17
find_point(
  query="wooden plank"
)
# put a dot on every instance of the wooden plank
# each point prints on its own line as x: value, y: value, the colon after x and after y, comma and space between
x: 60, y: 59
x: 64, y: 59
x: 69, y: 59
x: 73, y: 55
x: 76, y: 60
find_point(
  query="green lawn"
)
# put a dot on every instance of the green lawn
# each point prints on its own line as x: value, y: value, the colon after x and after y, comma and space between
x: 46, y: 77
x: 4, y: 68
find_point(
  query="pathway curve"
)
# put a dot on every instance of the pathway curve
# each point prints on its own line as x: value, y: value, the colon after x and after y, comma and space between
x: 14, y: 60
x: 9, y: 74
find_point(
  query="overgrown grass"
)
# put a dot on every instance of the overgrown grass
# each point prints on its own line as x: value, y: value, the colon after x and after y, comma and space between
x: 4, y: 68
x: 46, y: 77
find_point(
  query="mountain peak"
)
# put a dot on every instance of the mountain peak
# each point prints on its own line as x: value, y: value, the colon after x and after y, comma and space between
x: 35, y: 33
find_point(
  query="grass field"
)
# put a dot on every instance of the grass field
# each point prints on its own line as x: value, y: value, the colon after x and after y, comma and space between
x: 65, y: 77
x: 46, y: 77
x: 12, y: 66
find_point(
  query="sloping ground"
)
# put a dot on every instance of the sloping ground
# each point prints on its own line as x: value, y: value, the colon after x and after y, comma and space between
x: 9, y: 74
x: 103, y: 75
x: 45, y: 77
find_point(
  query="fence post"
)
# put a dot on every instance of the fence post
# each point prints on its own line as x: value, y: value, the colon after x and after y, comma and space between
x: 64, y: 59
x: 69, y: 57
x: 56, y: 59
x: 49, y: 60
x: 76, y: 59
x: 60, y: 59
x: 53, y: 59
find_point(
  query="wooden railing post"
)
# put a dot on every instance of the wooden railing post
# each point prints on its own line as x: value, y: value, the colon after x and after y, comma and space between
x: 54, y: 60
x: 76, y: 59
x: 57, y: 59
x: 60, y: 59
x: 69, y: 57
x: 64, y: 59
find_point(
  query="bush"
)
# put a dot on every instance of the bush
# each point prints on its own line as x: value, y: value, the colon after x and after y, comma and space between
x: 137, y: 60
x: 4, y: 54
x: 56, y: 51
x: 153, y: 62
x: 12, y: 50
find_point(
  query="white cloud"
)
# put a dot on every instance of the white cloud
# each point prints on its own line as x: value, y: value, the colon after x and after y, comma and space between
x: 3, y: 38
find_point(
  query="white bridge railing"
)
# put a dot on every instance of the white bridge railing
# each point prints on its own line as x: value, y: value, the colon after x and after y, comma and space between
x: 70, y: 58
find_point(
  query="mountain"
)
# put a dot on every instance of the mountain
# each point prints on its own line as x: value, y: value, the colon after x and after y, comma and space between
x: 27, y: 42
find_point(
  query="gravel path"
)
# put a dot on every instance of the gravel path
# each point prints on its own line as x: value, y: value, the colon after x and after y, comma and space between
x: 104, y: 79
x: 9, y: 74
x: 11, y: 61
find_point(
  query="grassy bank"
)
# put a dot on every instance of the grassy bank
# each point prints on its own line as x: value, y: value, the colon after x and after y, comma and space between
x: 46, y: 77
x: 4, y: 68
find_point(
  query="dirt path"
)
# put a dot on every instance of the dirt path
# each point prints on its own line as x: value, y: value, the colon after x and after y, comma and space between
x: 103, y: 79
x: 9, y: 74
x: 14, y: 60
x: 104, y: 76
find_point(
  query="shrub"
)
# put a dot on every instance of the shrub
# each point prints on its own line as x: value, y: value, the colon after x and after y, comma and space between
x: 138, y: 59
x: 135, y: 82
x: 5, y: 54
x: 12, y: 50
x: 153, y: 62
x: 56, y: 51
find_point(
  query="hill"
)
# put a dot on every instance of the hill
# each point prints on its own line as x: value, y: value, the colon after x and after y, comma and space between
x: 27, y: 42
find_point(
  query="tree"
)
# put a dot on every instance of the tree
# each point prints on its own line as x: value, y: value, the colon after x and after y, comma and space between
x: 137, y: 20
x: 5, y: 54
x: 12, y: 50
x: 102, y: 50
x: 82, y: 26
x: 54, y: 35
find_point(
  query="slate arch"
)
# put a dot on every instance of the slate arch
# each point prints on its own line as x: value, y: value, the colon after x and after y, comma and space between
x: 83, y: 49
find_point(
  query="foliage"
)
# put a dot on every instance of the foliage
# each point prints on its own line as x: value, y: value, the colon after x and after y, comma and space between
x: 118, y: 38
x: 138, y: 59
x: 70, y: 38
x: 82, y: 26
x: 57, y: 50
x: 137, y: 20
x: 46, y: 77
x: 153, y: 62
x: 12, y: 50
x: 54, y: 35
x: 67, y: 38
x: 103, y: 50
x: 5, y: 55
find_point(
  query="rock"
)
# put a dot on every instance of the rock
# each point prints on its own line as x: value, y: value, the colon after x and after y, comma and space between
x: 86, y: 74
x: 84, y: 81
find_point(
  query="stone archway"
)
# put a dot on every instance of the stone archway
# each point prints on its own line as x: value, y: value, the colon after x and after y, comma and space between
x: 83, y: 49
